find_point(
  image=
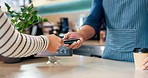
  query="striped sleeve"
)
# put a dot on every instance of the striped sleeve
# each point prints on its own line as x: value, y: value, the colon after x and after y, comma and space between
x: 15, y: 44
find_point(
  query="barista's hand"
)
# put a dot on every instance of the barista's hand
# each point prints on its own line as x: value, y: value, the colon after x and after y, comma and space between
x: 74, y: 35
x: 145, y: 64
x: 54, y: 43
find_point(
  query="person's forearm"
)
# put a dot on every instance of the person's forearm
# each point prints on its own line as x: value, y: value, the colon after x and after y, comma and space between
x: 87, y: 32
x: 34, y: 45
x: 15, y: 44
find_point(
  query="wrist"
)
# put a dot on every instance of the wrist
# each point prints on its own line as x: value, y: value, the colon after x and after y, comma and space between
x: 86, y: 32
x: 82, y: 34
x: 45, y: 42
x: 49, y: 39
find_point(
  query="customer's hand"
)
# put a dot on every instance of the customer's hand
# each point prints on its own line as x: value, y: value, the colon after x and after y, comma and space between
x: 54, y: 43
x: 74, y: 35
x: 145, y: 64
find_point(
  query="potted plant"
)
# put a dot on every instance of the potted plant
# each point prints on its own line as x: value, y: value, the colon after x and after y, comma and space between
x: 22, y: 20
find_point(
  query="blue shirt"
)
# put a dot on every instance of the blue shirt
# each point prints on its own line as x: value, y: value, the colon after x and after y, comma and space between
x: 126, y: 24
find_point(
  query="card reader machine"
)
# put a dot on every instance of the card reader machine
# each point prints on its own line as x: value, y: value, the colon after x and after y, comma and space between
x: 63, y: 51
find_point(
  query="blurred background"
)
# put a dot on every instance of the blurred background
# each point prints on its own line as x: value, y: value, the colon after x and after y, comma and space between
x: 63, y: 15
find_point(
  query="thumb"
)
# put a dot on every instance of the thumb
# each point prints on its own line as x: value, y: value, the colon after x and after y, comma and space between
x: 62, y: 42
x: 66, y: 36
x: 81, y: 39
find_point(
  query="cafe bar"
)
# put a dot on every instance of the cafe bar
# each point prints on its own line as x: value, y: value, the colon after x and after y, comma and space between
x: 73, y: 39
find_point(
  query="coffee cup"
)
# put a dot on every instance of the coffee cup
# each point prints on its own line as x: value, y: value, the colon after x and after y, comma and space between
x: 140, y: 54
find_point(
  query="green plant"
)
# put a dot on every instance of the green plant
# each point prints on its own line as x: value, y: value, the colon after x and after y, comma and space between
x: 25, y: 19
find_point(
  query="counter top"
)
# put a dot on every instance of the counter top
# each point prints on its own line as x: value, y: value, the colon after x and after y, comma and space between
x: 71, y: 67
x: 94, y: 42
x: 92, y: 48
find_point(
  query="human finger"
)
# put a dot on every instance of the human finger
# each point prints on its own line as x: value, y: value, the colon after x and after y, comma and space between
x: 145, y: 66
x: 74, y: 44
x: 66, y: 36
x: 145, y: 61
x: 78, y: 45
